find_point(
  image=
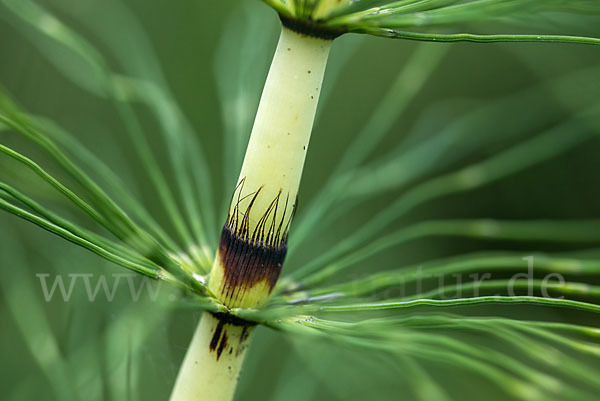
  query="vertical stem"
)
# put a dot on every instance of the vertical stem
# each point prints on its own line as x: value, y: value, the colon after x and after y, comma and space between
x: 213, y: 361
x: 281, y: 133
x: 254, y: 239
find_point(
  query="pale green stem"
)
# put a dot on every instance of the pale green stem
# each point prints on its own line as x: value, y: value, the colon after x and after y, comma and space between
x: 281, y: 132
x: 272, y: 169
x: 213, y: 361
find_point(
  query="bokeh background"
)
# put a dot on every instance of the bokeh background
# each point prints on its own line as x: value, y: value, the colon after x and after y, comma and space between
x: 214, y: 57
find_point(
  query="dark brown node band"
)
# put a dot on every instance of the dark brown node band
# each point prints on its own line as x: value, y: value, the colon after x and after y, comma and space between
x: 310, y: 28
x: 246, y: 262
x: 253, y: 255
x: 219, y: 340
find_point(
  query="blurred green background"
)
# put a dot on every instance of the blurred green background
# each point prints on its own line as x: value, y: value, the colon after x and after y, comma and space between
x: 125, y: 350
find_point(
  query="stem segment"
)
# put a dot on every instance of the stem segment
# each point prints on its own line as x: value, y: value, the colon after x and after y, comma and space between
x: 213, y: 361
x: 254, y: 239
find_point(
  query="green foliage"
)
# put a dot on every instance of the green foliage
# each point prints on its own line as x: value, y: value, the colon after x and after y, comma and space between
x: 351, y: 286
x: 407, y: 19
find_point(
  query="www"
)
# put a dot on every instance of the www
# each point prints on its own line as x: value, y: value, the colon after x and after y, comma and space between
x: 152, y: 286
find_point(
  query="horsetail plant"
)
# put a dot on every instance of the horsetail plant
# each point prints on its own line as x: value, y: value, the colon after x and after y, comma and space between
x: 236, y: 283
x: 254, y: 239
